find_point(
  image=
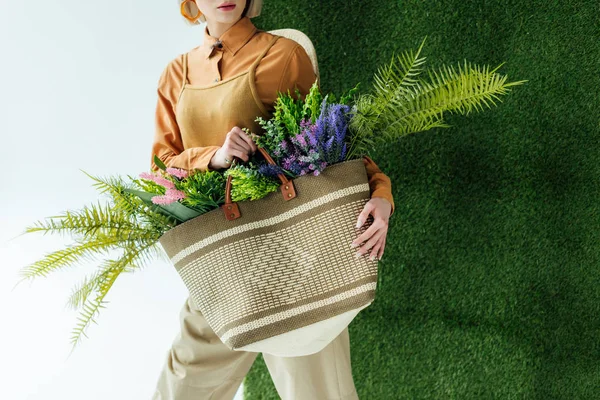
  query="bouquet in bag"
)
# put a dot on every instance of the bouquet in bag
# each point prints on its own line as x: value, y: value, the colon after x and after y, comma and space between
x: 263, y: 247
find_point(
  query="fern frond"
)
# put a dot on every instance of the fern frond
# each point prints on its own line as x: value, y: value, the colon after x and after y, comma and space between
x: 86, y: 247
x: 87, y: 222
x: 458, y: 91
x: 115, y: 187
x: 92, y: 307
x: 74, y: 253
x: 91, y: 283
x: 102, y: 285
x: 400, y: 105
x: 80, y: 294
x: 394, y: 84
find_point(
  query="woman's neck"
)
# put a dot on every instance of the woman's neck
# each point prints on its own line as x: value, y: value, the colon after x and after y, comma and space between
x: 216, y: 29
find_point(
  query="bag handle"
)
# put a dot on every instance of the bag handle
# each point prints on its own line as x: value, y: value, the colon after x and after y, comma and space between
x: 232, y: 210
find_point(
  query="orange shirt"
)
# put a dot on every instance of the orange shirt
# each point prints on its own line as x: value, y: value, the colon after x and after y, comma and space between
x: 285, y: 66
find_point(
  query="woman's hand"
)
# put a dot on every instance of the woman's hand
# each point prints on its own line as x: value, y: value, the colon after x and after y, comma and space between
x: 375, y: 235
x: 237, y: 143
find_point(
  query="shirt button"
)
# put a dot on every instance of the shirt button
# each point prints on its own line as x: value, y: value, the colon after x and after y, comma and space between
x: 216, y: 79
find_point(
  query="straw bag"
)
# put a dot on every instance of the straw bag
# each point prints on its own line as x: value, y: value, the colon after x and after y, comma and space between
x: 278, y: 275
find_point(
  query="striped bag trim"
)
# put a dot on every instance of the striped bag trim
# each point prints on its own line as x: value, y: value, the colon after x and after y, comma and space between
x: 270, y: 221
x: 274, y: 318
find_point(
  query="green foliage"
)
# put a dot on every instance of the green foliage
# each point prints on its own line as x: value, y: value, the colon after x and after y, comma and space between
x: 289, y: 111
x: 248, y: 184
x: 346, y: 98
x: 132, y: 224
x: 274, y: 133
x: 149, y: 186
x: 400, y: 104
x: 312, y: 103
x: 127, y: 224
x: 204, y: 191
x: 176, y: 209
x: 159, y: 163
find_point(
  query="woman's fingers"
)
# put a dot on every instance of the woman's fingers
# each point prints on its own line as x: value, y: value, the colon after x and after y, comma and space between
x: 375, y: 226
x: 233, y: 149
x: 370, y: 243
x: 241, y: 143
x: 382, y: 247
x: 375, y: 249
x: 364, y: 214
x: 249, y: 144
x: 236, y: 140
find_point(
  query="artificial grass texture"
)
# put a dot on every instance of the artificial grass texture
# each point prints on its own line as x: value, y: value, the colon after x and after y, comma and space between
x: 491, y: 279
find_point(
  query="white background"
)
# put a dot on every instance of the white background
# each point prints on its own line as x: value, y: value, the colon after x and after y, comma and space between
x: 78, y: 82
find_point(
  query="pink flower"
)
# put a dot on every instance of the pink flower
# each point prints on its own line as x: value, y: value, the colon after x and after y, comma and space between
x: 165, y: 182
x: 170, y: 196
x: 148, y: 176
x: 158, y: 179
x: 175, y: 193
x: 177, y: 172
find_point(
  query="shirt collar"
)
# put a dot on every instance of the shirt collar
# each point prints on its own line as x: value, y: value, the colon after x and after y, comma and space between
x: 232, y: 39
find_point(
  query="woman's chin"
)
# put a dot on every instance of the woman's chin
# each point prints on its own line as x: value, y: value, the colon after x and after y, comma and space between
x: 225, y: 17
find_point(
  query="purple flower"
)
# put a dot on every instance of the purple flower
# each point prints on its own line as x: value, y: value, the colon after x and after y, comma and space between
x: 331, y: 129
x: 317, y: 144
x: 270, y: 170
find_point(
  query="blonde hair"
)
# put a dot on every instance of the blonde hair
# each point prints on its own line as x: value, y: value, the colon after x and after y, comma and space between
x: 253, y: 11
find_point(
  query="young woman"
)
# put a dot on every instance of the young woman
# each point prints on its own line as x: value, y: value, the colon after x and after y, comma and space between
x: 205, y: 97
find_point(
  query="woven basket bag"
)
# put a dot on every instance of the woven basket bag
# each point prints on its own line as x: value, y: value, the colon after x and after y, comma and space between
x: 278, y: 275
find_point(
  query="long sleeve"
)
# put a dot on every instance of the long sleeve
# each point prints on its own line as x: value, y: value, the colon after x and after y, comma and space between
x: 299, y: 72
x: 167, y: 144
x: 380, y: 183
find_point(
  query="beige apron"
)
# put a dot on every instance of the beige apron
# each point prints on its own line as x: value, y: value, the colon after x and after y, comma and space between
x: 206, y: 113
x: 198, y: 366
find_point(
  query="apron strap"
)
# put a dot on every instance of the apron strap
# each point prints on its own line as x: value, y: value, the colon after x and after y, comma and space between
x: 261, y: 55
x: 184, y: 79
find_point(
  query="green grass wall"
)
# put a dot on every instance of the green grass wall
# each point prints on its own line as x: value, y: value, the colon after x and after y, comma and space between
x: 491, y: 267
